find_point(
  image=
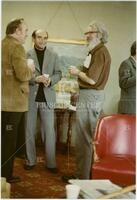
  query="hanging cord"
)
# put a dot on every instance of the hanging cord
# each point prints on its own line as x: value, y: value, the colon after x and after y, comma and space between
x: 81, y: 31
x: 74, y: 16
x: 56, y: 11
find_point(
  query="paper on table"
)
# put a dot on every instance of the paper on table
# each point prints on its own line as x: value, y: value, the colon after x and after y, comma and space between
x: 92, y: 189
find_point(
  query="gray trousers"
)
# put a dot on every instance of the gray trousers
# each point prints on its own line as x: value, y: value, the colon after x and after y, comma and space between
x: 89, y: 108
x: 48, y: 134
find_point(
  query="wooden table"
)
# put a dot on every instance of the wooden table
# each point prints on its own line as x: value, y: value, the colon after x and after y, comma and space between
x: 60, y: 113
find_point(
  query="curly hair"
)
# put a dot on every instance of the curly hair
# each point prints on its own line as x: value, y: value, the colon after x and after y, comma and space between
x: 100, y: 29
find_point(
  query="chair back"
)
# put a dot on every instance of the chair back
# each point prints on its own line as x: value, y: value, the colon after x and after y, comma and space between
x: 115, y: 134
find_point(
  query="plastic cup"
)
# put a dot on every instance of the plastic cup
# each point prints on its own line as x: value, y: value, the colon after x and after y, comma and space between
x: 72, y: 191
x: 46, y: 75
x: 30, y: 61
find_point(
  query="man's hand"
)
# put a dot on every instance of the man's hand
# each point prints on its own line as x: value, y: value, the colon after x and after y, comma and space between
x: 74, y: 71
x: 39, y: 79
x: 47, y: 83
x: 43, y: 79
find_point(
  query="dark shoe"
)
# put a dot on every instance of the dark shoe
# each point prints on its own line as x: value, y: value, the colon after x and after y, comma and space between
x: 52, y: 170
x: 28, y: 167
x: 66, y: 178
x: 14, y: 179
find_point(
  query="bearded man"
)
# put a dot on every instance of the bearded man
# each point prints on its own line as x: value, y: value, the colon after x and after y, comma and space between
x: 92, y: 80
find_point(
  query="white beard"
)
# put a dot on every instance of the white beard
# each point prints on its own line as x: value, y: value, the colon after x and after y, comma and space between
x: 92, y: 44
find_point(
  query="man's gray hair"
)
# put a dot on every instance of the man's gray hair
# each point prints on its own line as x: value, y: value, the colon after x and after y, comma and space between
x: 100, y: 29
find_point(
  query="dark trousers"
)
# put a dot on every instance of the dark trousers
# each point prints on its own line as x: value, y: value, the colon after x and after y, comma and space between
x: 20, y: 144
x: 12, y: 122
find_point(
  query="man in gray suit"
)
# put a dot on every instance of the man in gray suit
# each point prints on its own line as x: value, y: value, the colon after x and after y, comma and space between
x: 127, y: 83
x: 42, y: 98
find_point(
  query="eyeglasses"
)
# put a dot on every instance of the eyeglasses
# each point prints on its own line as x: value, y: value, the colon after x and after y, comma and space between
x: 91, y: 32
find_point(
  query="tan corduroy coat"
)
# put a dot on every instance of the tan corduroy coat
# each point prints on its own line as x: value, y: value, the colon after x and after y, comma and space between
x: 15, y: 76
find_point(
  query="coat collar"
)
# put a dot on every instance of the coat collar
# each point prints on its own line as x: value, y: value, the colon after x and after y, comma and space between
x: 12, y: 38
x: 100, y: 45
x: 132, y: 61
x: 45, y: 60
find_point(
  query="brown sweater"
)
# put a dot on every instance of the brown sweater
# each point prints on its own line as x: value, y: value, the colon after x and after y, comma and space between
x: 99, y: 68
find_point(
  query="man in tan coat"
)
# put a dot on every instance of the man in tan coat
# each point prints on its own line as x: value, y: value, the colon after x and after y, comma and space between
x: 15, y: 76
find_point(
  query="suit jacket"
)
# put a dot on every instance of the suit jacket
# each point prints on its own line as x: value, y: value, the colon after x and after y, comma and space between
x: 15, y: 76
x: 51, y: 67
x: 127, y: 83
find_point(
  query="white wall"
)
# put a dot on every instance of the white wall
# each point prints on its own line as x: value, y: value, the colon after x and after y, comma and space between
x: 68, y: 20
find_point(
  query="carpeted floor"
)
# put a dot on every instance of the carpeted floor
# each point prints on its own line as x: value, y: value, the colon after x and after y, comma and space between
x: 39, y: 182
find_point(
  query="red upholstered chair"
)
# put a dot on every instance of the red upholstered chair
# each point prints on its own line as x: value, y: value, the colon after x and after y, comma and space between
x: 114, y: 145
